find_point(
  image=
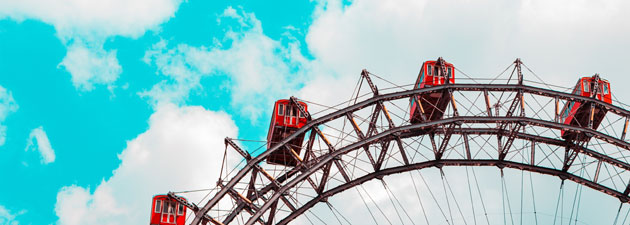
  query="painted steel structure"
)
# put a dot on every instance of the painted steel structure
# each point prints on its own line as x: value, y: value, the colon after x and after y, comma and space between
x: 517, y: 131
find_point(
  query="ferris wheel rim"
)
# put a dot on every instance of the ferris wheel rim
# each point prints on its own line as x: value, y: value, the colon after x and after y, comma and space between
x: 501, y: 164
x: 351, y: 147
x: 403, y: 94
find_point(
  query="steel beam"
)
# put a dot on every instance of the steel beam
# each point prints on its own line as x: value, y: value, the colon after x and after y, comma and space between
x: 508, y: 143
x: 383, y: 136
x: 488, y: 107
x: 365, y: 75
x: 406, y: 94
x: 361, y: 136
x: 445, y: 140
x: 450, y: 162
x: 625, y: 129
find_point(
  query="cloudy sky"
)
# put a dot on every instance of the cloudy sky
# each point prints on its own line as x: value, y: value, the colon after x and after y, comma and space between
x: 98, y: 98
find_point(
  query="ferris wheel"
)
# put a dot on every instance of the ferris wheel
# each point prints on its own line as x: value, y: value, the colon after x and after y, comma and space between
x: 446, y: 149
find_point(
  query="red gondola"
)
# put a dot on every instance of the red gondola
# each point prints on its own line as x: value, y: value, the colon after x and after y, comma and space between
x: 579, y: 114
x: 167, y: 211
x: 285, y: 120
x: 432, y: 105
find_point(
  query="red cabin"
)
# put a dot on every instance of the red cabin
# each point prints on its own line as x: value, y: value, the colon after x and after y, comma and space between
x: 431, y: 105
x: 285, y: 120
x: 578, y: 114
x: 167, y: 211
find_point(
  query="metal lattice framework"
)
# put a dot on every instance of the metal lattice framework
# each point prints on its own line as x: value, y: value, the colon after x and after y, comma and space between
x: 511, y: 125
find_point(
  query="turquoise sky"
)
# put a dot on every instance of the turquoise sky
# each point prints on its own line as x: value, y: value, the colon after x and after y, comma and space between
x: 88, y: 128
x: 83, y: 92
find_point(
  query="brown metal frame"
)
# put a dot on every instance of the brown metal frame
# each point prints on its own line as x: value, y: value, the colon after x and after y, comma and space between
x: 312, y: 163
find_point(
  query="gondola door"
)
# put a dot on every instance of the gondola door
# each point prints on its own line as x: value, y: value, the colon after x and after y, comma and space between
x: 600, y: 90
x: 168, y: 213
x: 164, y: 216
x: 171, y: 212
x: 294, y: 115
x: 290, y: 115
x: 287, y: 115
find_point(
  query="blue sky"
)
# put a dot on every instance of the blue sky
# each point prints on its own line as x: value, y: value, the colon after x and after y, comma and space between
x: 88, y: 128
x: 90, y: 93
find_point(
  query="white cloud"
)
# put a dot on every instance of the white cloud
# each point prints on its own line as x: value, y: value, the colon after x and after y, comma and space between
x: 7, y: 218
x: 84, y: 26
x: 102, y: 18
x: 91, y: 66
x: 258, y: 67
x: 389, y: 38
x: 181, y: 150
x: 7, y: 106
x: 41, y: 144
x: 561, y: 40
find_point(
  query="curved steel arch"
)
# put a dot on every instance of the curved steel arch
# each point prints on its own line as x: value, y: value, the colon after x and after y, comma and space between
x: 388, y: 135
x: 454, y: 124
x: 447, y: 162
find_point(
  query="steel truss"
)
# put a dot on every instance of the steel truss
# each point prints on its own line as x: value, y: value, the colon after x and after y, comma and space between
x: 521, y: 134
